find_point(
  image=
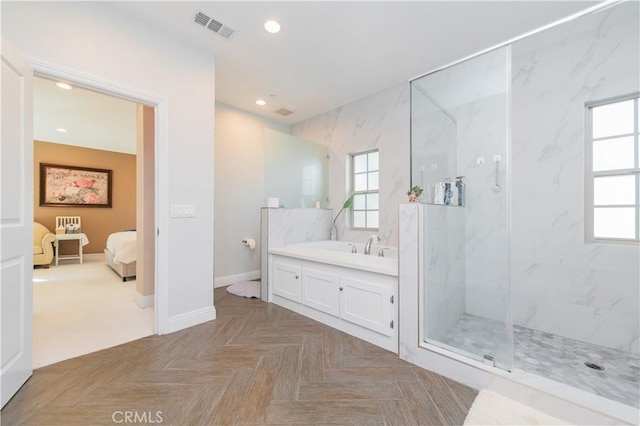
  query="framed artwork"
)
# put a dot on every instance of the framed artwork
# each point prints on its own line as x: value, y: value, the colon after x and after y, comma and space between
x: 74, y: 186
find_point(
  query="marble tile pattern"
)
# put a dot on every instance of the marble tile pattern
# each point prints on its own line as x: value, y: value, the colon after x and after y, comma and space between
x: 433, y: 153
x: 292, y: 226
x: 555, y: 357
x: 378, y: 121
x: 409, y: 317
x: 443, y: 229
x: 560, y: 284
x: 553, y: 271
x: 532, y: 389
x: 408, y: 282
x: 280, y: 227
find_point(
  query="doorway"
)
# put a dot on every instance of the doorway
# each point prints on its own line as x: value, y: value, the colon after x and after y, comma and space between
x: 100, y: 285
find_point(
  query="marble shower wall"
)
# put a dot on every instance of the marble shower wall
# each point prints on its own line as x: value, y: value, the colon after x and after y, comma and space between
x: 378, y: 121
x: 474, y: 95
x: 443, y: 260
x: 433, y: 147
x: 560, y: 284
x: 433, y: 159
x: 484, y: 136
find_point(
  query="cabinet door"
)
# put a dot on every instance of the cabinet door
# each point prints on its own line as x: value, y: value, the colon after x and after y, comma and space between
x: 320, y: 291
x: 366, y: 304
x: 286, y: 281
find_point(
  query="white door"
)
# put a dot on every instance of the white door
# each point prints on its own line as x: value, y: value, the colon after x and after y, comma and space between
x: 16, y: 224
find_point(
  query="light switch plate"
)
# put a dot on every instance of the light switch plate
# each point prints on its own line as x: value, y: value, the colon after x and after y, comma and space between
x: 183, y: 210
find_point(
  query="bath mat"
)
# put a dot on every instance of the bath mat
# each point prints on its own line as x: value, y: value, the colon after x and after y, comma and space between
x: 490, y: 408
x: 245, y: 289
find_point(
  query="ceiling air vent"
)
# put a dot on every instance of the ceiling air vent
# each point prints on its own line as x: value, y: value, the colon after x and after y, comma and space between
x: 283, y: 111
x: 215, y: 26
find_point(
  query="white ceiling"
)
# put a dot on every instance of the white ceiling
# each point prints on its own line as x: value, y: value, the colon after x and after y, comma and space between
x: 328, y: 54
x: 92, y: 120
x: 331, y: 53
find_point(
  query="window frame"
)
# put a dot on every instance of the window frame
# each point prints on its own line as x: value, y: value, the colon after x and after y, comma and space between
x: 352, y: 175
x: 591, y: 175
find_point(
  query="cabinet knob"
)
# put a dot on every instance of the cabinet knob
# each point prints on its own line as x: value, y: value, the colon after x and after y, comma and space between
x: 297, y: 277
x: 341, y: 288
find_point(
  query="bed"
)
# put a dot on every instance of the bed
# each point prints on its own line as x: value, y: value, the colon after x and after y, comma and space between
x: 120, y: 253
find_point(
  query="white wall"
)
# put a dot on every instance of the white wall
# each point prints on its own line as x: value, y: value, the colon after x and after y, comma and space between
x: 560, y: 284
x: 239, y: 190
x: 377, y: 121
x: 92, y: 119
x: 92, y: 39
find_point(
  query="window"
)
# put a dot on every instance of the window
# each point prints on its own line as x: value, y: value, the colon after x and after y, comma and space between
x: 613, y: 170
x: 364, y: 185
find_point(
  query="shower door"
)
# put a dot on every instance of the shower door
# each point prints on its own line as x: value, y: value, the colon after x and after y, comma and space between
x: 459, y: 156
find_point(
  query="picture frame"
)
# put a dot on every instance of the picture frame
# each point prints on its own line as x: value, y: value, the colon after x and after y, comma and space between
x: 74, y: 186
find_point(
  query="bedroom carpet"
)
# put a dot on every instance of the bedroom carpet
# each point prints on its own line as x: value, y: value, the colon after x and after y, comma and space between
x: 79, y: 309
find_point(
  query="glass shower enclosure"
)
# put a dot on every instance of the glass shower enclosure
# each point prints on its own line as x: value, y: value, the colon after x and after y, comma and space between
x: 459, y: 145
x: 529, y: 157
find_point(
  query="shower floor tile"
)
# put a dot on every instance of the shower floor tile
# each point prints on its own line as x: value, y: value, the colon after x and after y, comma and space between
x: 554, y: 357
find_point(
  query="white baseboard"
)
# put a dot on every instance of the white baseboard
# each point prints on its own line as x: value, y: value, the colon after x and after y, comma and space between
x: 144, y: 301
x: 189, y: 319
x: 230, y: 279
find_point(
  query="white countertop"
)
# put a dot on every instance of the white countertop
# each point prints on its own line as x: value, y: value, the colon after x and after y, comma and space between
x: 371, y: 263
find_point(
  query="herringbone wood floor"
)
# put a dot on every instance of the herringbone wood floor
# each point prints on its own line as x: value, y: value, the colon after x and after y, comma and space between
x: 256, y: 364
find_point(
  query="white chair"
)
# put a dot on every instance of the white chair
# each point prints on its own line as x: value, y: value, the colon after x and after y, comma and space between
x: 63, y: 221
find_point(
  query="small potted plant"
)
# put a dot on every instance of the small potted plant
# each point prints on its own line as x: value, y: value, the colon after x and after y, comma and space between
x: 415, y: 193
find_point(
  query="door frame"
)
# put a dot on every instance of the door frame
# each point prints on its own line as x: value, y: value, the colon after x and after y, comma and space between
x: 161, y: 147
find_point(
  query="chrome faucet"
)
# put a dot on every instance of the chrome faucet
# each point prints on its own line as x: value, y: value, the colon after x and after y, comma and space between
x: 367, y: 247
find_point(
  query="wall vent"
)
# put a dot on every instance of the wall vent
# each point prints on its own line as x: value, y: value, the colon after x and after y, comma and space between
x: 215, y: 26
x: 283, y: 111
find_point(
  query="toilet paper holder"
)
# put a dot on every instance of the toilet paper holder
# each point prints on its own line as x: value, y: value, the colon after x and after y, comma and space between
x: 249, y: 242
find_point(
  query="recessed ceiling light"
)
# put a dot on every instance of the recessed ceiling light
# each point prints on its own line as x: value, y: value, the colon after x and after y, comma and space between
x: 261, y: 102
x: 64, y: 86
x: 60, y: 129
x: 272, y: 27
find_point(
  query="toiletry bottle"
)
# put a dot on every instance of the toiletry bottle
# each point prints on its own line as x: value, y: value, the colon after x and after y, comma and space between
x: 447, y: 193
x: 460, y: 185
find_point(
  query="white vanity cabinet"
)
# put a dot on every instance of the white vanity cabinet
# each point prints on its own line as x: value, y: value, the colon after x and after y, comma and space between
x: 367, y: 304
x: 286, y: 280
x: 320, y: 290
x: 360, y: 303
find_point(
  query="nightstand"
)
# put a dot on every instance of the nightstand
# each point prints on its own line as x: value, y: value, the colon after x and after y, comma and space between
x: 80, y: 238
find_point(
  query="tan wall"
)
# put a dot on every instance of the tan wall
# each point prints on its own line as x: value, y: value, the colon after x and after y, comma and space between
x: 97, y: 222
x: 145, y: 254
